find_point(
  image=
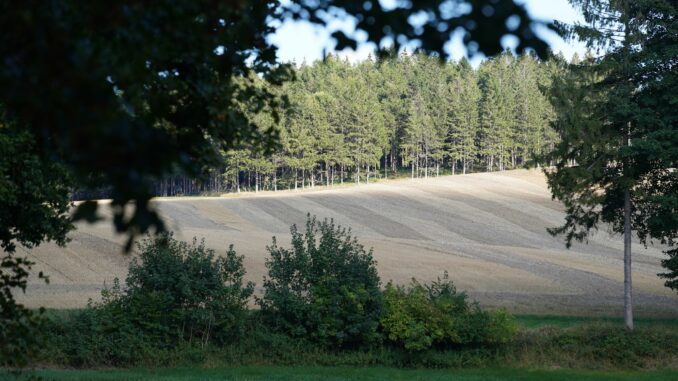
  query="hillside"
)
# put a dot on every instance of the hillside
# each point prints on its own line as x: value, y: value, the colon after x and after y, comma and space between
x: 487, y: 230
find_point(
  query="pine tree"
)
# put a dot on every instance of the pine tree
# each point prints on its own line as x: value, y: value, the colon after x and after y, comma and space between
x: 462, y: 97
x: 497, y: 111
x: 392, y: 93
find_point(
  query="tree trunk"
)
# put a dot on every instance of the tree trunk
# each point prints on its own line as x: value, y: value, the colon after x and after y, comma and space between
x: 327, y: 175
x: 426, y: 165
x: 385, y: 165
x: 628, y: 285
x: 628, y: 306
x: 418, y: 169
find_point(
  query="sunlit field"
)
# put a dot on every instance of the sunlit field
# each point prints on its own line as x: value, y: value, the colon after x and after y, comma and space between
x: 487, y: 230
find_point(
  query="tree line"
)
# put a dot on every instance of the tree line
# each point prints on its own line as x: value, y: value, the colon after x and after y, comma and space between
x: 411, y: 115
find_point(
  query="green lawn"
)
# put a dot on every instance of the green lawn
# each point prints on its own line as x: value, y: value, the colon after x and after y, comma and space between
x: 537, y: 321
x: 346, y: 374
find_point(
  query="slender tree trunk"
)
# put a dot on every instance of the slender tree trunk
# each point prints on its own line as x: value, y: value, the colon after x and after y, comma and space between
x: 628, y: 300
x: 418, y: 169
x: 628, y: 285
x: 426, y: 165
x: 385, y: 165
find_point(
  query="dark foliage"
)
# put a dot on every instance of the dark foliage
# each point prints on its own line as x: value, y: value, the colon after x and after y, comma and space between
x: 18, y: 341
x: 34, y: 192
x: 33, y: 205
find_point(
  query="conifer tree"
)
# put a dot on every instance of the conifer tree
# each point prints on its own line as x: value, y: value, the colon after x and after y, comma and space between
x: 462, y: 97
x: 615, y: 163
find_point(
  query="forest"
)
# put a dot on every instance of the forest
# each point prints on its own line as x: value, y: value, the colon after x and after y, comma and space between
x: 410, y: 116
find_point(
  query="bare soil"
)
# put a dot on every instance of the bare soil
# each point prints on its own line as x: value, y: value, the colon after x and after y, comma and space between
x: 487, y: 230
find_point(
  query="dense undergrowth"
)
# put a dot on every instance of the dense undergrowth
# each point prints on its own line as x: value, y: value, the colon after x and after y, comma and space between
x: 589, y: 346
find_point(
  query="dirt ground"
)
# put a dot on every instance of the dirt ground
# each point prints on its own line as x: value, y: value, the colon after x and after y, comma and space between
x: 487, y: 230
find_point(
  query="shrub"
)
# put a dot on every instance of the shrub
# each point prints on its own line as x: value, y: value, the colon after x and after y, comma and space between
x: 185, y: 291
x: 176, y: 295
x: 325, y: 288
x: 421, y: 316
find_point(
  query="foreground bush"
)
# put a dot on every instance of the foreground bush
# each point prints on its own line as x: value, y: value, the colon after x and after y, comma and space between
x: 325, y: 288
x: 186, y: 291
x: 176, y: 294
x: 421, y: 316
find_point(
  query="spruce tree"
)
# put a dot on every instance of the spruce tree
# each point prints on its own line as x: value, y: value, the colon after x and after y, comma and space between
x: 615, y: 163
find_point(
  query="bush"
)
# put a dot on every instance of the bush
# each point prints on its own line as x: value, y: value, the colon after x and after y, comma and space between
x: 421, y: 316
x: 183, y: 291
x: 176, y: 295
x: 325, y: 288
